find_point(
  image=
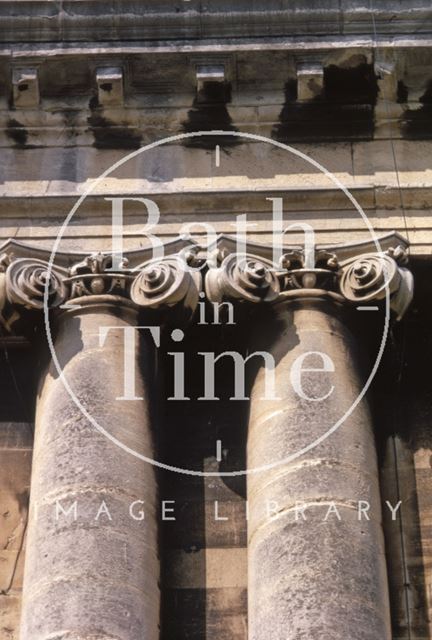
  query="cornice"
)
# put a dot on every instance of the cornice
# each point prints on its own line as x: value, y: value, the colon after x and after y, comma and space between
x: 293, y: 44
x: 160, y: 20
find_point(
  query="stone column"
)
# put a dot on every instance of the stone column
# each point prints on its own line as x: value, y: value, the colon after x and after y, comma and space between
x: 312, y: 574
x: 316, y: 562
x: 92, y: 560
x: 96, y: 572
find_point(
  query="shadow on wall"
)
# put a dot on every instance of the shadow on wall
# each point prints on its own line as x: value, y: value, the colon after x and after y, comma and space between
x: 17, y: 133
x: 344, y: 109
x: 193, y: 607
x: 417, y: 123
x: 402, y: 411
x: 108, y: 134
x: 209, y: 112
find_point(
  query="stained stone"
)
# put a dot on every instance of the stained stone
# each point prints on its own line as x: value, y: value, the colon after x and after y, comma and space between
x: 317, y: 578
x: 92, y: 577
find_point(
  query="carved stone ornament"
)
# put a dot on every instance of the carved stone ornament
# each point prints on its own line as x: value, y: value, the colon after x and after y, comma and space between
x: 361, y: 279
x: 167, y: 282
x: 371, y: 276
x: 164, y: 283
x: 322, y: 274
x: 353, y: 273
x: 26, y: 281
x: 93, y: 276
x: 243, y: 277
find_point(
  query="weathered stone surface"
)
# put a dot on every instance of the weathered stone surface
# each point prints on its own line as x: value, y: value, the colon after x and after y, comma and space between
x: 16, y: 439
x: 15, y: 464
x: 92, y: 575
x: 215, y: 613
x: 62, y: 130
x: 367, y: 169
x: 156, y: 20
x: 404, y: 546
x: 314, y: 578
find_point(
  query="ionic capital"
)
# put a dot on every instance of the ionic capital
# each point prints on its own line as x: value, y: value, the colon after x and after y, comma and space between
x: 353, y: 274
x: 362, y: 279
x: 28, y: 284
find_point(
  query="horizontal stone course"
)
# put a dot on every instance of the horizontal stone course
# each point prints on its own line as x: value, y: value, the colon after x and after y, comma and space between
x: 85, y: 19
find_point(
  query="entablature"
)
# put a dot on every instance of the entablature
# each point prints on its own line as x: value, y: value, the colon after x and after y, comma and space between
x: 113, y: 96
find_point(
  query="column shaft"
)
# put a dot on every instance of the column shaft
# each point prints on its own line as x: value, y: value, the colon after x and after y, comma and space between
x: 312, y: 577
x: 94, y: 576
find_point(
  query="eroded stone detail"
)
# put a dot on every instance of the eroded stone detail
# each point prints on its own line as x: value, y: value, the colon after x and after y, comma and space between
x: 361, y: 279
x: 369, y: 277
x: 322, y: 274
x: 93, y: 276
x: 165, y: 283
x: 248, y: 278
x: 26, y: 282
x: 156, y: 284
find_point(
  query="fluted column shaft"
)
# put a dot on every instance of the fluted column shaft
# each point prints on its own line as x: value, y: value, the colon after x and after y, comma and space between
x: 312, y: 576
x: 94, y: 576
